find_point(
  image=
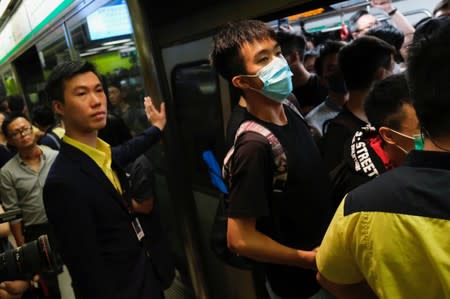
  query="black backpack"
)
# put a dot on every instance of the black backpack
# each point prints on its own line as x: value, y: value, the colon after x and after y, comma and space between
x: 218, y: 237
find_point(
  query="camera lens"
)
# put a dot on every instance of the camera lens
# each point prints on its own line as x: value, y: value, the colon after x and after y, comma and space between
x: 32, y: 258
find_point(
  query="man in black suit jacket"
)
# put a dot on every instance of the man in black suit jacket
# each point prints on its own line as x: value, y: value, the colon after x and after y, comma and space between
x: 86, y: 192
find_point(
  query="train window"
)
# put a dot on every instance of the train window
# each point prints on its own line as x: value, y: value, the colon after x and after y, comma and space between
x: 9, y: 83
x: 52, y: 49
x: 199, y: 115
x: 104, y: 38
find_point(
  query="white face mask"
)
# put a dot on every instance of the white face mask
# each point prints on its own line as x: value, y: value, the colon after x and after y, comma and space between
x: 414, y: 141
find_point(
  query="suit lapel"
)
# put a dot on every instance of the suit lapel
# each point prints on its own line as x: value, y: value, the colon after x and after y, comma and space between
x: 91, y: 169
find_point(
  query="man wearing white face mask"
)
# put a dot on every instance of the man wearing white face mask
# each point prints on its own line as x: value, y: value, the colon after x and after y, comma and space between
x: 385, y: 143
x: 282, y: 234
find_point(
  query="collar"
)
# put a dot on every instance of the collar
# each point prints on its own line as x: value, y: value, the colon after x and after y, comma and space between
x: 101, y: 154
x: 428, y: 159
x: 377, y: 145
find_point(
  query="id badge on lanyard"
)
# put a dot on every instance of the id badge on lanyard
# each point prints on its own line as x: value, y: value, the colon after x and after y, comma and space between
x: 137, y: 228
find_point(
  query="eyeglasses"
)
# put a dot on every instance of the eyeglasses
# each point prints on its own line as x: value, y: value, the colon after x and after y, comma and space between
x: 21, y: 132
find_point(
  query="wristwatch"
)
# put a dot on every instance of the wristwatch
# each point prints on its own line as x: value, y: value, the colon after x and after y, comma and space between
x: 392, y: 12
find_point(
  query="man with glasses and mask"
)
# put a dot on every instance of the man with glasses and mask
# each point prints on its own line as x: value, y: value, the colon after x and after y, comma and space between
x: 362, y: 21
x: 382, y: 145
x: 282, y: 235
x: 22, y: 180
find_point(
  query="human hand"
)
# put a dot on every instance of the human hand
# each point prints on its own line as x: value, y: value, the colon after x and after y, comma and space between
x: 385, y: 5
x: 144, y: 207
x: 155, y: 117
x: 308, y: 259
x: 13, y: 289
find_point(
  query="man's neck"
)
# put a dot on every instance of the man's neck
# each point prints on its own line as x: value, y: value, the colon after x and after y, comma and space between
x: 355, y: 103
x: 30, y: 154
x: 266, y: 109
x: 437, y: 144
x: 89, y: 138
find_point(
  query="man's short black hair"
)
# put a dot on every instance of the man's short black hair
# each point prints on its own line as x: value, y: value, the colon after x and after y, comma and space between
x: 328, y: 48
x: 9, y: 119
x: 290, y: 42
x: 428, y: 72
x: 383, y: 104
x: 442, y: 5
x: 390, y: 34
x: 225, y: 56
x: 63, y: 72
x: 360, y: 61
x: 15, y: 103
x: 43, y: 115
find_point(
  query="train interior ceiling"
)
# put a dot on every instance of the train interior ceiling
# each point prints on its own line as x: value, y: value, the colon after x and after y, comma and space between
x: 172, y: 67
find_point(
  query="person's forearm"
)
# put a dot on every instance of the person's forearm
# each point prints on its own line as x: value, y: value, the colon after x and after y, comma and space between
x: 404, y: 26
x: 17, y: 231
x: 260, y: 247
x: 303, y: 75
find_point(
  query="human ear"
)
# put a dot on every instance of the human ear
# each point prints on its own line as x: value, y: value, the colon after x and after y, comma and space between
x: 386, y: 135
x: 58, y: 106
x: 240, y: 82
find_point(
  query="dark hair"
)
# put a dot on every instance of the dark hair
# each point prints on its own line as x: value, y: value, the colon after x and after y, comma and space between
x: 63, y: 72
x: 336, y: 82
x: 360, y: 60
x: 391, y: 35
x: 383, y: 104
x: 115, y: 84
x: 15, y: 103
x: 442, y: 5
x: 225, y: 56
x: 353, y: 21
x: 428, y: 26
x: 428, y: 72
x: 290, y: 42
x: 328, y: 48
x: 314, y: 52
x: 9, y: 119
x: 4, y: 106
x: 43, y: 115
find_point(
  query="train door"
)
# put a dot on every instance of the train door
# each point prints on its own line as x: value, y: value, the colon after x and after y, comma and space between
x: 202, y: 106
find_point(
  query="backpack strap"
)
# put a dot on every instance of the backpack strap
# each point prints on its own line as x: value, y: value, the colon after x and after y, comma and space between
x: 279, y: 156
x: 294, y: 108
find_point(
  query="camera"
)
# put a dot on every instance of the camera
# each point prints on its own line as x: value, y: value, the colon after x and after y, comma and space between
x: 22, y: 263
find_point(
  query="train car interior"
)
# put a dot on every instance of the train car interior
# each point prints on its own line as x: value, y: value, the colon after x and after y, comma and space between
x: 162, y: 50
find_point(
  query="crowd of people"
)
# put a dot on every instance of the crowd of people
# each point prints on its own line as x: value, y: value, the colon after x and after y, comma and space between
x: 367, y: 163
x: 363, y: 209
x: 45, y: 161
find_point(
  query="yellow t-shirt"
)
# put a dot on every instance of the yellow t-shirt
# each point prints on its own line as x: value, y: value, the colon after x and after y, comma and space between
x: 101, y: 156
x: 384, y: 249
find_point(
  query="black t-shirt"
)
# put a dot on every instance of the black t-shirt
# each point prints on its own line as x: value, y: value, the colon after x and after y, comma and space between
x: 339, y: 130
x: 312, y: 93
x: 304, y: 213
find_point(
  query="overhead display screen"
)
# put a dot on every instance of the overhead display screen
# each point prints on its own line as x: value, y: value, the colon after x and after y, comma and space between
x: 109, y: 21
